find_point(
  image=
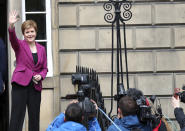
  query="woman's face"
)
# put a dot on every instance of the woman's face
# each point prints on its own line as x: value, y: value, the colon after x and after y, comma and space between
x: 30, y: 35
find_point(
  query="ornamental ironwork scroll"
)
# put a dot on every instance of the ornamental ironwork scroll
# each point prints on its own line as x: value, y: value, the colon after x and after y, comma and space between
x: 114, y: 7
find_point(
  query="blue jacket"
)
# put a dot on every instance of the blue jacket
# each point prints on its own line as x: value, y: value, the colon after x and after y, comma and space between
x: 59, y: 125
x: 127, y: 123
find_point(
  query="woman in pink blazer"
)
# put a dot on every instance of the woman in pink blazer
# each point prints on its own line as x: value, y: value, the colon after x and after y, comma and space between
x: 31, y: 69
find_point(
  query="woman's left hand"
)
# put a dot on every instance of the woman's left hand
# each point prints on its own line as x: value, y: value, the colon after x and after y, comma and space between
x: 37, y: 77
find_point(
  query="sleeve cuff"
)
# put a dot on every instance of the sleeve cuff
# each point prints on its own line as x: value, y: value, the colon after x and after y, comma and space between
x: 11, y: 29
x: 178, y: 109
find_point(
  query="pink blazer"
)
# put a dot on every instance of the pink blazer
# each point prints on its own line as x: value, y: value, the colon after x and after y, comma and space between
x: 25, y: 67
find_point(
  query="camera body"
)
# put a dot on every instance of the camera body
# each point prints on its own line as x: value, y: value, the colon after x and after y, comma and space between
x: 88, y: 108
x: 80, y: 78
x: 145, y: 112
x: 180, y: 93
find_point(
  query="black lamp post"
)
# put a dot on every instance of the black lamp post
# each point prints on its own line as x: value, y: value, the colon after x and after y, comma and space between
x: 118, y: 11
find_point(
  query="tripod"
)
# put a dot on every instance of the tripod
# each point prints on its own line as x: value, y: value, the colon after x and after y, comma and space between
x: 115, y: 20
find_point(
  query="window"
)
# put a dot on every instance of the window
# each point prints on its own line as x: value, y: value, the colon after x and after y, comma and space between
x: 40, y: 12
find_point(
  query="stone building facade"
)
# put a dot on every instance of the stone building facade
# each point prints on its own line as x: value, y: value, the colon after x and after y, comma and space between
x: 80, y: 36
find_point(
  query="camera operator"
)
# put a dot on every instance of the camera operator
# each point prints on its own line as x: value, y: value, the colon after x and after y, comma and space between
x: 178, y: 111
x: 72, y: 120
x: 157, y: 124
x: 127, y: 116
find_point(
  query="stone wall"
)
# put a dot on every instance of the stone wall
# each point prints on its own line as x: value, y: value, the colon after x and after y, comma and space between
x: 155, y: 43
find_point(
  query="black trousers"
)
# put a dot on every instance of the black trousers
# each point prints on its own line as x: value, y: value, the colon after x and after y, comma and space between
x: 23, y: 97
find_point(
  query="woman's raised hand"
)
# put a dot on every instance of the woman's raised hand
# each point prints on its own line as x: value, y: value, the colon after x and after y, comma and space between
x: 13, y: 18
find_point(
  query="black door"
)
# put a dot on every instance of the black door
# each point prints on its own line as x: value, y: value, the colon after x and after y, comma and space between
x: 4, y: 98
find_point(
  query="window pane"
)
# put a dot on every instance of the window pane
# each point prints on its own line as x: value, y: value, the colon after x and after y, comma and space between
x: 35, y: 5
x: 40, y: 19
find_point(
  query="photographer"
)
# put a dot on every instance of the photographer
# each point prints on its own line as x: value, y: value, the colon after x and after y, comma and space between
x: 127, y: 116
x: 158, y: 124
x: 178, y: 111
x: 130, y: 113
x: 72, y: 120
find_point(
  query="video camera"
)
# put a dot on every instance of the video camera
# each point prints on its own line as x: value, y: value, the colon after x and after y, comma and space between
x: 181, y: 93
x: 84, y: 95
x: 88, y: 88
x: 145, y: 112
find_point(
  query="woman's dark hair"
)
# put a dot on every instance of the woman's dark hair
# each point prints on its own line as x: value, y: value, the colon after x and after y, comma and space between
x: 74, y: 113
